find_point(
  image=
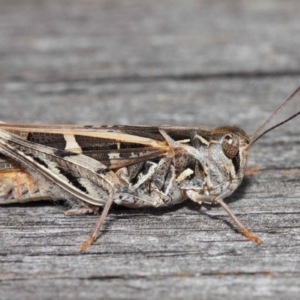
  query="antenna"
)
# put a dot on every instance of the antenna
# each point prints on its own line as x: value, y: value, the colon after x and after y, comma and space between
x: 257, y: 135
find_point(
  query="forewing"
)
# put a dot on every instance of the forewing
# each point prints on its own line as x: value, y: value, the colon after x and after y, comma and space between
x: 114, y: 146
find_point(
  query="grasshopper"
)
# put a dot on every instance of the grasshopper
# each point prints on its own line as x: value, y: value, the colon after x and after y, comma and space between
x: 134, y: 166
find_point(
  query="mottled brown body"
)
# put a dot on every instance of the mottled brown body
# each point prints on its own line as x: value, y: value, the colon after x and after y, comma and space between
x: 133, y: 166
x: 180, y: 163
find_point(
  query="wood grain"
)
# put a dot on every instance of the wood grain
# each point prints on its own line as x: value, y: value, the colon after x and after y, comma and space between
x: 156, y: 62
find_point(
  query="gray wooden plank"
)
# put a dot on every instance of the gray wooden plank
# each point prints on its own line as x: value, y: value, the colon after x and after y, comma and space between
x: 172, y: 252
x: 56, y: 40
x: 136, y: 62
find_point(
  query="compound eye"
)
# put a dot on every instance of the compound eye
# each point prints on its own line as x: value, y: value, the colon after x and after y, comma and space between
x: 230, y: 146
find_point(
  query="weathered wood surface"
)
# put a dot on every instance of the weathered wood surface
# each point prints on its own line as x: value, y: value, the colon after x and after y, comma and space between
x: 156, y: 62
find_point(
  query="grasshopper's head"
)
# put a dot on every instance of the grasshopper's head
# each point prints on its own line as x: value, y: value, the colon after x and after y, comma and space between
x: 233, y: 143
x: 227, y: 158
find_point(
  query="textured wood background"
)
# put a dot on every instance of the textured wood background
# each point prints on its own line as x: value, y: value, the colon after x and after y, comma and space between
x: 193, y: 63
